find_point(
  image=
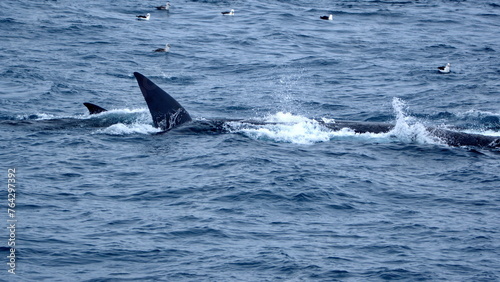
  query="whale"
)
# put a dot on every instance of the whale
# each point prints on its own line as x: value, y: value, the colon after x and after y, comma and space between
x: 167, y: 114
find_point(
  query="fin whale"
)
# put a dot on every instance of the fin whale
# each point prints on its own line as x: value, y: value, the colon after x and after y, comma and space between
x: 167, y: 114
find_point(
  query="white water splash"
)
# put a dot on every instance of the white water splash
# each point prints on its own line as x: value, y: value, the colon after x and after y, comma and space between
x: 126, y: 122
x: 289, y: 128
x: 284, y: 127
x: 407, y: 128
x: 286, y: 89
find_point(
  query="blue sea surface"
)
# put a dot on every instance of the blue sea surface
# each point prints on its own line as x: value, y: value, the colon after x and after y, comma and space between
x: 106, y: 198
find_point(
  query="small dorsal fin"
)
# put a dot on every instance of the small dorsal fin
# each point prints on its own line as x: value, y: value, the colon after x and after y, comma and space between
x: 94, y: 109
x: 166, y: 112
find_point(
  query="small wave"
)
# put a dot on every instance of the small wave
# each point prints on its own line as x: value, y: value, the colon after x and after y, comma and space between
x: 6, y: 21
x: 481, y: 118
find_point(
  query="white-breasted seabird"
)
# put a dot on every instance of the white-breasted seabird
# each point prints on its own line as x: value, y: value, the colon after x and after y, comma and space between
x: 328, y: 18
x: 166, y: 49
x: 166, y: 7
x: 231, y: 13
x: 144, y: 18
x: 445, y: 69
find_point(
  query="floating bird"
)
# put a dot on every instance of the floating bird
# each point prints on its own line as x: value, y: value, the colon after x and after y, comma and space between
x: 328, y: 18
x: 166, y: 49
x: 166, y: 7
x: 445, y: 69
x: 231, y: 13
x: 144, y: 18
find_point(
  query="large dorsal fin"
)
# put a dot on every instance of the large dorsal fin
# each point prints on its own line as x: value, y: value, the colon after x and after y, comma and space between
x: 166, y: 112
x: 94, y: 109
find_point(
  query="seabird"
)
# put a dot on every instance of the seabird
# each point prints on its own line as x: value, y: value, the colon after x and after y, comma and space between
x: 328, y: 18
x: 229, y: 13
x: 166, y: 49
x: 445, y: 69
x: 166, y: 7
x: 144, y: 18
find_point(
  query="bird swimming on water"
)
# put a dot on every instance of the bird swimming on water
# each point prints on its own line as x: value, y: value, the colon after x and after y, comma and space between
x: 445, y: 69
x: 328, y: 18
x: 166, y: 7
x: 166, y: 49
x: 231, y: 13
x: 143, y: 18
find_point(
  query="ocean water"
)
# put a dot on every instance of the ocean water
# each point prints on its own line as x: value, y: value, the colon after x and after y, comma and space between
x: 107, y: 198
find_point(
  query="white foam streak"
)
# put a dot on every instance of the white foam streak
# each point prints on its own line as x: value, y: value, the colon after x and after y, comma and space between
x: 491, y: 133
x: 118, y: 113
x: 127, y: 129
x: 486, y: 132
x: 114, y: 112
x: 120, y: 121
x: 43, y: 116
